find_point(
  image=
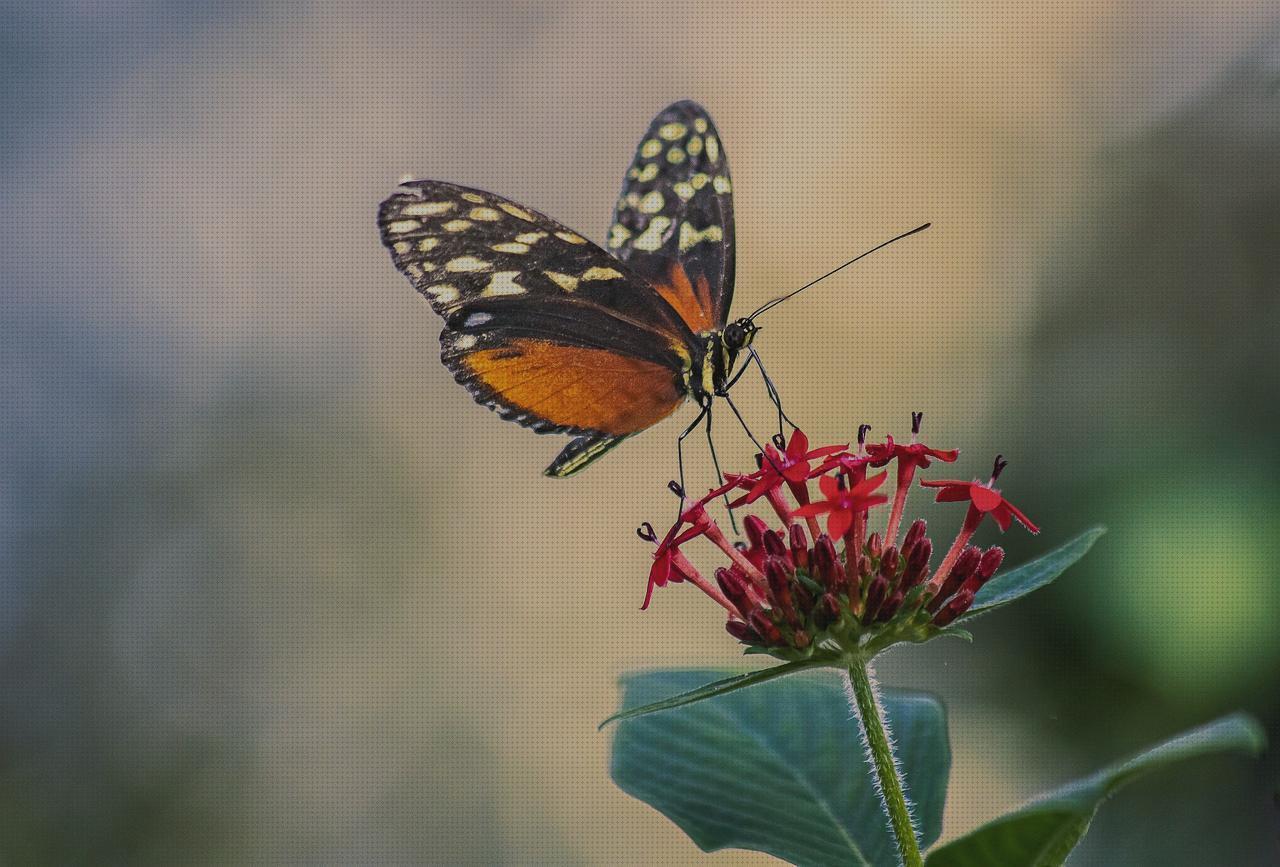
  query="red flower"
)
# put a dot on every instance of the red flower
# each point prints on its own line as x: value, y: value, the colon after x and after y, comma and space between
x: 791, y: 466
x: 983, y: 500
x: 843, y: 504
x: 910, y: 457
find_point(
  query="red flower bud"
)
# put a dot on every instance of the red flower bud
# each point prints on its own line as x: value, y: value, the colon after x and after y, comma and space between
x: 874, y: 545
x: 957, y: 606
x: 742, y: 632
x: 777, y: 571
x: 991, y: 560
x: 799, y: 546
x: 889, y: 561
x: 801, y: 639
x: 915, y: 535
x: 754, y: 527
x: 761, y: 623
x: 966, y: 565
x: 734, y: 586
x: 830, y: 573
x: 828, y: 610
x: 875, y: 598
x: 890, y: 607
x: 917, y: 563
x: 774, y: 546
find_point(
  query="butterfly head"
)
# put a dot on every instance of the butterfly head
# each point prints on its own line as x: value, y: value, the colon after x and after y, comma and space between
x: 739, y: 333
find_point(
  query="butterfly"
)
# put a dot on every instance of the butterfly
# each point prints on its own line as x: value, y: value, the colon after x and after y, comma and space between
x: 563, y: 336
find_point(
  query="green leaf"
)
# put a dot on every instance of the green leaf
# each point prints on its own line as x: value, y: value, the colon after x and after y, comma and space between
x: 1044, y: 832
x: 779, y: 768
x: 1017, y: 583
x: 719, y: 687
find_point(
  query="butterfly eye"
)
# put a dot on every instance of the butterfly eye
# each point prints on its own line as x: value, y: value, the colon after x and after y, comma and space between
x: 734, y: 335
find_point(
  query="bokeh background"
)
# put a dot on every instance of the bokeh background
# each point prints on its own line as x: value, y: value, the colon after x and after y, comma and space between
x: 272, y: 588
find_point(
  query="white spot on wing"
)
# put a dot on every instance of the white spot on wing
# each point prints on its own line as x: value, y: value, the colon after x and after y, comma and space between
x: 598, y: 273
x: 467, y: 263
x: 651, y: 238
x: 427, y: 209
x: 652, y: 202
x: 445, y: 293
x: 672, y: 131
x: 566, y: 282
x: 503, y: 283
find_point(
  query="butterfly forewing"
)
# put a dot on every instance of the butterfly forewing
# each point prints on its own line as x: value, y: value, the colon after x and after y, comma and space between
x: 540, y: 324
x: 674, y: 219
x: 458, y: 244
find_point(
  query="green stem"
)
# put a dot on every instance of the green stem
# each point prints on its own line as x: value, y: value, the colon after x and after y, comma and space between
x: 891, y: 796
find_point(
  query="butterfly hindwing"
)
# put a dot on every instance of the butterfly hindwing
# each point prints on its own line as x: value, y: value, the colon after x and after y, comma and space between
x: 673, y: 222
x: 541, y: 325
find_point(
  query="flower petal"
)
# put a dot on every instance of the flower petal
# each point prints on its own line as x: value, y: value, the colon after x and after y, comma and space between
x: 797, y: 445
x: 839, y: 523
x: 985, y: 499
x: 819, y: 508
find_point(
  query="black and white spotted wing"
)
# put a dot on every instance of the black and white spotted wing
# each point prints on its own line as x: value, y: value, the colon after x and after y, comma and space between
x: 676, y: 207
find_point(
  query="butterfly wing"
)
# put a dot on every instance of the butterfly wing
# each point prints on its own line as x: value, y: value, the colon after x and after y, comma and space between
x: 674, y: 219
x: 541, y: 325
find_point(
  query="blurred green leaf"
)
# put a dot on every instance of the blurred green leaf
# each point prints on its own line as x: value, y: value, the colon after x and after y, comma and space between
x: 779, y: 768
x: 1028, y: 577
x: 1043, y: 833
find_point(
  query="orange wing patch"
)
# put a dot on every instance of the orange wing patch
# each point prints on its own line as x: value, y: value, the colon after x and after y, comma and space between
x: 590, y: 389
x: 692, y: 303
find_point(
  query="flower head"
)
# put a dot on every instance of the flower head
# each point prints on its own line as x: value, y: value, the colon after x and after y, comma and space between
x: 793, y: 593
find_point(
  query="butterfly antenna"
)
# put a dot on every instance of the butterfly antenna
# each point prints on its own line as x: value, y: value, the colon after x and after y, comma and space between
x: 776, y: 301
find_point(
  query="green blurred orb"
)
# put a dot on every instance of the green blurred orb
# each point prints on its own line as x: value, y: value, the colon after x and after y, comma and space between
x: 1187, y: 595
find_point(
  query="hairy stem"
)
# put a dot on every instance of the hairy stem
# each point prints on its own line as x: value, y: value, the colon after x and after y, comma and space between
x: 891, y: 795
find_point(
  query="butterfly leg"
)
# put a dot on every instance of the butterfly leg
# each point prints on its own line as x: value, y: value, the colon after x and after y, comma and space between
x: 772, y: 390
x: 706, y: 409
x: 715, y: 461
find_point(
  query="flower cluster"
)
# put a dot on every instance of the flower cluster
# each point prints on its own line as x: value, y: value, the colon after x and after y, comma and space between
x: 797, y: 588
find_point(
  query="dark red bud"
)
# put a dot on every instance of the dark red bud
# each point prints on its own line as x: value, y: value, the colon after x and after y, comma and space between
x: 875, y: 598
x: 764, y: 627
x: 734, y: 587
x: 957, y: 606
x: 965, y: 566
x: 874, y: 545
x: 742, y: 632
x: 828, y: 610
x: 774, y: 546
x: 915, y: 534
x: 799, y: 546
x: 917, y: 563
x: 800, y: 639
x: 890, y: 607
x: 991, y: 560
x: 776, y: 572
x: 755, y: 528
x: 889, y: 561
x: 830, y: 573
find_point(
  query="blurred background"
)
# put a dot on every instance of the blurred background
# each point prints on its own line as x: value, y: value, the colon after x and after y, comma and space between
x: 272, y: 588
